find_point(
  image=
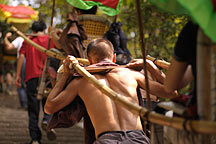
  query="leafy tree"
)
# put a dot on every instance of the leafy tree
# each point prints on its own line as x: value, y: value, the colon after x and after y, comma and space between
x: 61, y: 9
x: 160, y: 29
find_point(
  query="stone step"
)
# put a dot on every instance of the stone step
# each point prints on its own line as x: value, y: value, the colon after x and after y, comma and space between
x: 14, y: 126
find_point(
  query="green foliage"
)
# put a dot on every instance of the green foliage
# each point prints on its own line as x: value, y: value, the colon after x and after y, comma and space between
x: 61, y: 9
x: 160, y: 29
x: 4, y: 2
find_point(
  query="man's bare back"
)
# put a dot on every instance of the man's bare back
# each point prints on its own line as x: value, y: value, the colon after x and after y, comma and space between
x: 107, y: 115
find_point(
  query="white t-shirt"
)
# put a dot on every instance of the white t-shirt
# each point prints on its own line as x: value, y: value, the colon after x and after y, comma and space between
x: 17, y: 43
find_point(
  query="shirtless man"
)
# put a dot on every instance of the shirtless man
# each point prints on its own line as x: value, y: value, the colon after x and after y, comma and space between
x: 112, y: 122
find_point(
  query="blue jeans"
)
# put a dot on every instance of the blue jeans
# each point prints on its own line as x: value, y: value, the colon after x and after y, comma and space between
x: 22, y: 90
x: 34, y: 109
x: 22, y: 96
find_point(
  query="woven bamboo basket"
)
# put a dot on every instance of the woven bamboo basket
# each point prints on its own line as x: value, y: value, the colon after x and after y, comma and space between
x: 95, y: 26
x: 23, y: 27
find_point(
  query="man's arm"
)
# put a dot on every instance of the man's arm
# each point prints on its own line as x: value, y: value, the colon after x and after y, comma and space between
x: 18, y: 70
x: 178, y: 75
x: 7, y: 43
x: 155, y: 88
x: 60, y: 97
x: 151, y: 67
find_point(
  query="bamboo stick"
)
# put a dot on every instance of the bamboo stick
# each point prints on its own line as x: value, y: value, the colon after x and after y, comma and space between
x: 44, y: 50
x: 42, y: 83
x: 161, y: 63
x: 204, y: 83
x: 31, y: 34
x: 101, y: 68
x: 205, y: 127
x: 139, y: 18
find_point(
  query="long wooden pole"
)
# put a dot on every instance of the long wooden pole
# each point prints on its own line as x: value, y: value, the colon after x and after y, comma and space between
x: 42, y: 83
x: 205, y: 99
x: 161, y: 63
x: 143, y: 53
x: 47, y: 52
x: 205, y: 127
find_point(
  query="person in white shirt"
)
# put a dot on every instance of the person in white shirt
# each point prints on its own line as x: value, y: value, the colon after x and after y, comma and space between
x: 17, y: 44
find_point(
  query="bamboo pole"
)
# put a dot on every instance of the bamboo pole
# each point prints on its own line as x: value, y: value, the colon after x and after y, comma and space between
x: 47, y: 52
x: 143, y: 53
x: 161, y: 63
x: 102, y: 68
x: 205, y: 97
x: 203, y: 76
x: 42, y: 83
x: 31, y: 34
x: 202, y: 126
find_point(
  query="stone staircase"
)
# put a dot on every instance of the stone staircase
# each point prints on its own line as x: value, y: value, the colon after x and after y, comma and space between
x: 14, y: 125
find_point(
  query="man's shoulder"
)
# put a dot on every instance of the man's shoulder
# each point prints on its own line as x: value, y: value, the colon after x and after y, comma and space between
x: 121, y: 72
x: 122, y: 69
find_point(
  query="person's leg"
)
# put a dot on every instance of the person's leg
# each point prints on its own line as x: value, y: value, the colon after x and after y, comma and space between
x: 22, y: 91
x: 51, y: 134
x: 1, y: 68
x: 9, y: 80
x: 46, y: 116
x: 9, y: 68
x: 33, y: 109
x: 22, y: 97
x: 1, y: 82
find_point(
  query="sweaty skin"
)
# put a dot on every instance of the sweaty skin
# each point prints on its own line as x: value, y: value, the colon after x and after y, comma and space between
x: 105, y: 114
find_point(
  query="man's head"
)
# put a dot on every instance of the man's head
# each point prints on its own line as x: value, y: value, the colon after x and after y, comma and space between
x: 100, y: 49
x: 38, y: 26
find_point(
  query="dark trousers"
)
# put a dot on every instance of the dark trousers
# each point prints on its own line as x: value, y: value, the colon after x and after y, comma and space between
x: 122, y: 137
x: 34, y: 109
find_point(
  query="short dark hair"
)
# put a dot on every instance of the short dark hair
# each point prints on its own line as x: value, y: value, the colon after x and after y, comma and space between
x: 38, y: 26
x: 100, y: 49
